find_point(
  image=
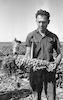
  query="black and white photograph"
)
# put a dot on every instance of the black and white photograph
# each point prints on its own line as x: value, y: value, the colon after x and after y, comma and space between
x: 31, y: 49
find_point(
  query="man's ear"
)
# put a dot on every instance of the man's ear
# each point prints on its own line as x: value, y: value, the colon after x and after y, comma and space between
x: 48, y: 21
x: 36, y: 20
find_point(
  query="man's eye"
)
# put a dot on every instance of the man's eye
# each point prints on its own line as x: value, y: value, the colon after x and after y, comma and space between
x: 39, y: 22
x: 42, y: 22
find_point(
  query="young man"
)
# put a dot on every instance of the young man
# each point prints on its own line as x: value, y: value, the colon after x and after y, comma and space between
x: 43, y: 42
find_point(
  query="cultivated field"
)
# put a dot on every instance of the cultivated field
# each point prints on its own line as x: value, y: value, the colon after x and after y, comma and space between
x: 14, y: 79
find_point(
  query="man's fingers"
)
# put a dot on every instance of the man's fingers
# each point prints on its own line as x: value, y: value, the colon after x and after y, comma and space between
x: 51, y: 67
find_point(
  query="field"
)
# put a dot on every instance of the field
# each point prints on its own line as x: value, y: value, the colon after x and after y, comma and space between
x: 16, y: 83
x: 6, y: 48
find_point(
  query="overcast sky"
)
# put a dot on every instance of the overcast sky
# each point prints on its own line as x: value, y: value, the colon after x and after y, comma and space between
x: 17, y: 18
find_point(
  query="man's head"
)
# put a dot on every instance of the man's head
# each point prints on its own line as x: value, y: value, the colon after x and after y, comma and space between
x: 42, y: 19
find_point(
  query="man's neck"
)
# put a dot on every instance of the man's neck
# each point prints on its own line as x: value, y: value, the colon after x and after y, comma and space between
x: 43, y: 34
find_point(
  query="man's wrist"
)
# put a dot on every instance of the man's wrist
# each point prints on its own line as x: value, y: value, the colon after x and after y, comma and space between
x: 57, y: 62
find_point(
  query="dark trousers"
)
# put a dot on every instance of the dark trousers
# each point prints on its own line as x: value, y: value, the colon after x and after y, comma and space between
x: 39, y: 77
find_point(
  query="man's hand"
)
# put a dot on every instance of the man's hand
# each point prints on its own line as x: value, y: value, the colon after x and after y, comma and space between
x: 51, y: 66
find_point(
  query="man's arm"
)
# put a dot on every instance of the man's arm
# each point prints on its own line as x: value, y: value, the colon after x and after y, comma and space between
x: 28, y: 52
x: 57, y: 47
x: 54, y: 65
x: 58, y: 59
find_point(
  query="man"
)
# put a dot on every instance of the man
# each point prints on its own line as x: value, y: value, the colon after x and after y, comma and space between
x: 44, y: 43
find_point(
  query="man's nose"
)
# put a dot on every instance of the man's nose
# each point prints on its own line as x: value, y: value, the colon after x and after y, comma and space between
x: 41, y: 24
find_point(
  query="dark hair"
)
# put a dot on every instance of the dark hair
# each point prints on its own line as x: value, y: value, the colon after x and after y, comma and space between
x: 43, y: 12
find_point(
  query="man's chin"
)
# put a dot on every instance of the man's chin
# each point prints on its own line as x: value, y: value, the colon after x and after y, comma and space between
x: 42, y: 30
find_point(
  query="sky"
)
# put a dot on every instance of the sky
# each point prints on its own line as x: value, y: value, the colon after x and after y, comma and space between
x: 17, y: 18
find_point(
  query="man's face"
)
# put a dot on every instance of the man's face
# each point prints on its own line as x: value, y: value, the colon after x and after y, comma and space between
x: 42, y: 23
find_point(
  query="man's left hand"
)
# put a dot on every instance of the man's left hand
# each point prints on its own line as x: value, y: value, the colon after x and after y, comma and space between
x: 51, y: 66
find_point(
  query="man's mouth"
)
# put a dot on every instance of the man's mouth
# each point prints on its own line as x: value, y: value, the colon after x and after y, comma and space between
x: 41, y: 28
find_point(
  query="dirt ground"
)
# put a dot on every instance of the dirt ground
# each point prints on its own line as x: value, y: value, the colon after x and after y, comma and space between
x: 20, y: 89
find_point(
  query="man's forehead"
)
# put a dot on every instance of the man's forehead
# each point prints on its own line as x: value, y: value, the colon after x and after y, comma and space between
x: 41, y: 18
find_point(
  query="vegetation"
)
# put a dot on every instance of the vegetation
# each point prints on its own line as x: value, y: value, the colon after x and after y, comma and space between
x: 15, y: 68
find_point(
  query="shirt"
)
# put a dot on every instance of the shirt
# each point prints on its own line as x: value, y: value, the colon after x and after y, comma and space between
x: 43, y: 46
